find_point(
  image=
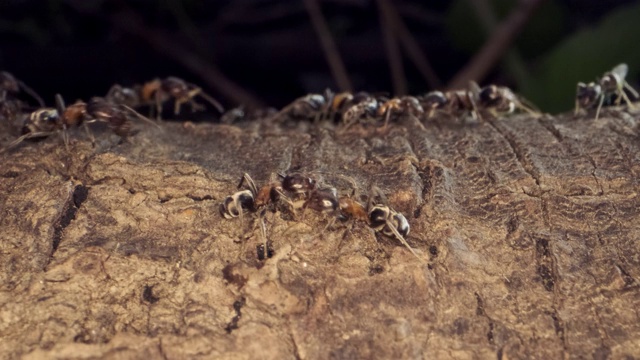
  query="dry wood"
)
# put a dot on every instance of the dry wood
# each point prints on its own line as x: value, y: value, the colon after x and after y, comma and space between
x: 529, y: 227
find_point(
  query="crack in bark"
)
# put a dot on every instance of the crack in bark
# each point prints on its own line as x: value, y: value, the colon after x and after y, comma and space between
x: 480, y: 311
x: 67, y: 215
x: 546, y: 124
x: 526, y: 165
x: 296, y: 349
x: 603, y: 333
x: 161, y: 349
x: 593, y: 173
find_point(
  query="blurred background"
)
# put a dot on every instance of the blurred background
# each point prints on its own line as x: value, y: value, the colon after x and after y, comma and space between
x: 260, y: 52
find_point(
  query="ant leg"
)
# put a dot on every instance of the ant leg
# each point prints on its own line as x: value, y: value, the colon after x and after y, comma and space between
x: 89, y: 133
x: 631, y: 90
x: 475, y: 113
x: 208, y: 98
x: 418, y: 122
x: 404, y: 242
x: 158, y: 107
x: 528, y: 106
x: 140, y: 116
x: 252, y: 185
x: 373, y: 193
x: 282, y: 196
x: 263, y: 231
x: 599, y: 107
x: 24, y: 137
x: 65, y: 138
x: 330, y: 223
x: 626, y: 99
x: 195, y: 106
x: 386, y: 120
x: 177, y: 105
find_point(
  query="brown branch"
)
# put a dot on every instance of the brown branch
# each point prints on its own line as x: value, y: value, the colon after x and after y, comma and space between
x: 338, y: 69
x: 497, y: 44
x: 387, y: 27
x: 411, y: 46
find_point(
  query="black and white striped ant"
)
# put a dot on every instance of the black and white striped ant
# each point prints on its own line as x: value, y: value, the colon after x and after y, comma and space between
x: 47, y: 121
x: 611, y: 85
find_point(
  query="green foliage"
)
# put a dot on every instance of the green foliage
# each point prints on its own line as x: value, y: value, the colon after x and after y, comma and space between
x: 468, y: 33
x: 585, y: 55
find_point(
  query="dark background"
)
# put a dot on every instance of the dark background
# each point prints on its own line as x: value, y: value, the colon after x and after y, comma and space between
x: 268, y: 52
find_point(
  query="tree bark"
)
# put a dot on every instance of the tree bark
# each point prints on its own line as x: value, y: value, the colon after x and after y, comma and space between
x: 528, y: 229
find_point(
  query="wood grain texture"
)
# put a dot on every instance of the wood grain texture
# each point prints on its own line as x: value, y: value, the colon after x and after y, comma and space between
x: 529, y: 227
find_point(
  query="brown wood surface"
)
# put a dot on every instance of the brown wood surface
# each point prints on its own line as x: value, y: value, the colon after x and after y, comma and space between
x: 529, y: 229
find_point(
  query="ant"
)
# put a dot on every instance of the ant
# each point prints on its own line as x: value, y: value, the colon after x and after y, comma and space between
x: 46, y: 121
x: 611, y: 84
x: 339, y: 102
x: 405, y: 105
x: 321, y: 199
x: 364, y: 107
x: 453, y: 103
x: 158, y: 91
x: 310, y: 106
x: 502, y: 100
x: 298, y: 184
x: 384, y: 219
x: 324, y: 200
x: 9, y: 84
x: 377, y: 215
x: 122, y: 95
x: 252, y: 198
x: 183, y: 92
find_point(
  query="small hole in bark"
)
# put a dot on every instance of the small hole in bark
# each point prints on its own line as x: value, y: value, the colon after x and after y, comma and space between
x: 433, y: 250
x: 147, y: 295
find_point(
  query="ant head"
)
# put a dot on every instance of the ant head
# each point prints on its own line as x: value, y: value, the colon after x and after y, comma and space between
x: 587, y: 94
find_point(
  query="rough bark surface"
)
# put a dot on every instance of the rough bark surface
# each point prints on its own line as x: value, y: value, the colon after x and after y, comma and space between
x: 529, y: 228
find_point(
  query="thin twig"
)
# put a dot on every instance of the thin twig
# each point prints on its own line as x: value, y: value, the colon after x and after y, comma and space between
x: 499, y: 41
x: 338, y: 69
x: 412, y: 47
x: 513, y: 61
x: 387, y: 27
